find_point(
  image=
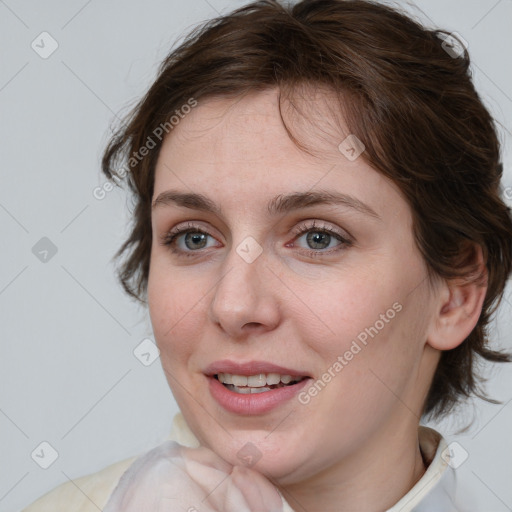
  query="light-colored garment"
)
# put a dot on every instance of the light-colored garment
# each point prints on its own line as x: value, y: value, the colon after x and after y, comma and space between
x: 436, y: 491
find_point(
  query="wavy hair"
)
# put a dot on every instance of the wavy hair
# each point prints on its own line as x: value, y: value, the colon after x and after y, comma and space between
x: 407, y: 95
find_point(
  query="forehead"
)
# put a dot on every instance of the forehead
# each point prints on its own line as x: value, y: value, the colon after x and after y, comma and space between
x: 244, y: 127
x: 238, y: 151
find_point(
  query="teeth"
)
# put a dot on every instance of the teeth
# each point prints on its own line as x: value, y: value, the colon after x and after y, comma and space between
x: 247, y: 390
x: 273, y: 378
x: 259, y: 390
x: 255, y: 382
x: 239, y: 380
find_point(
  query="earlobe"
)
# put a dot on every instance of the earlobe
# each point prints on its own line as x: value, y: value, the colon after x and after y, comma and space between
x: 459, y: 308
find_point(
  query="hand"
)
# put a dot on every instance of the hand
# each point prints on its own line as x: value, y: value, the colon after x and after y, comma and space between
x: 173, y: 478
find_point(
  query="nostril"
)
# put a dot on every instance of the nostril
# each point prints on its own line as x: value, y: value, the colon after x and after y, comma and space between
x: 252, y: 325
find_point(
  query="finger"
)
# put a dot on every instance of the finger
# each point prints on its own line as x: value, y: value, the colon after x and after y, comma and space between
x: 259, y: 493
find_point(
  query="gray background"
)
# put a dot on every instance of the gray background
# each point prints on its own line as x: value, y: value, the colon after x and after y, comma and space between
x: 69, y: 375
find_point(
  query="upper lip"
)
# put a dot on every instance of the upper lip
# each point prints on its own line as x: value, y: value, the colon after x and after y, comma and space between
x: 250, y: 368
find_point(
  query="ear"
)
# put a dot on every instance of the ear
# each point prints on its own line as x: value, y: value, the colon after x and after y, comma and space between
x: 458, y: 307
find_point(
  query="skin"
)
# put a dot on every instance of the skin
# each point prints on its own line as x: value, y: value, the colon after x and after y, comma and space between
x: 295, y: 309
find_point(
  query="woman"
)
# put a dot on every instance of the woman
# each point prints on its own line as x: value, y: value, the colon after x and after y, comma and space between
x: 319, y: 237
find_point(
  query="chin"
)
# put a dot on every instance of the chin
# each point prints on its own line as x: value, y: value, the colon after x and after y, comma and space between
x: 278, y: 457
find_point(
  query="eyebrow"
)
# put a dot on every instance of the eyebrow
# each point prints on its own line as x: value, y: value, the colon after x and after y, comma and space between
x: 277, y: 205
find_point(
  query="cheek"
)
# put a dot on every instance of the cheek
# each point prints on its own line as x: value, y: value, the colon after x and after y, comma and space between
x: 372, y: 334
x: 349, y: 308
x: 177, y: 311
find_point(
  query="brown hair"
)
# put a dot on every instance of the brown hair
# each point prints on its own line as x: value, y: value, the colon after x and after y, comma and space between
x: 412, y: 104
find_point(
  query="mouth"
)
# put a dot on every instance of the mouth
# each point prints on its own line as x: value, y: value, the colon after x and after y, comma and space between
x: 254, y: 384
x: 253, y: 388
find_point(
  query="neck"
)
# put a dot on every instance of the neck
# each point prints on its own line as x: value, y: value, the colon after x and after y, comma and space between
x: 371, y: 479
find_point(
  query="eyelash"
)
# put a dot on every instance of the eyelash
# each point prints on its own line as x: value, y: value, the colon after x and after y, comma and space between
x: 168, y: 239
x: 312, y: 226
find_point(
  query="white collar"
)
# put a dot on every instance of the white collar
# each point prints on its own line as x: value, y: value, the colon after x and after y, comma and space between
x: 425, y: 493
x: 433, y: 491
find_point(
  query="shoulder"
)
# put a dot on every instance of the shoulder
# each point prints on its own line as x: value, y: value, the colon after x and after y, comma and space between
x: 85, y: 494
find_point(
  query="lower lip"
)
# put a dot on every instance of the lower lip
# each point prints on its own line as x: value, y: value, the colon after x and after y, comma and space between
x: 252, y: 404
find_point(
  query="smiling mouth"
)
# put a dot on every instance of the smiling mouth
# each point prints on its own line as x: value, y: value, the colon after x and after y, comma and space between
x: 260, y: 383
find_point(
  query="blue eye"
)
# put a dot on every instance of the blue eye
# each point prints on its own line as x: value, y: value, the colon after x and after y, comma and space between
x: 318, y: 238
x: 193, y: 238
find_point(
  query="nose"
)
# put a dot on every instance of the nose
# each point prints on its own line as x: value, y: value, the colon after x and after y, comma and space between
x: 244, y: 300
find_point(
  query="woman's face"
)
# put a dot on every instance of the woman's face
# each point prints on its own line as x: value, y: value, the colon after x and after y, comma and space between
x: 268, y: 281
